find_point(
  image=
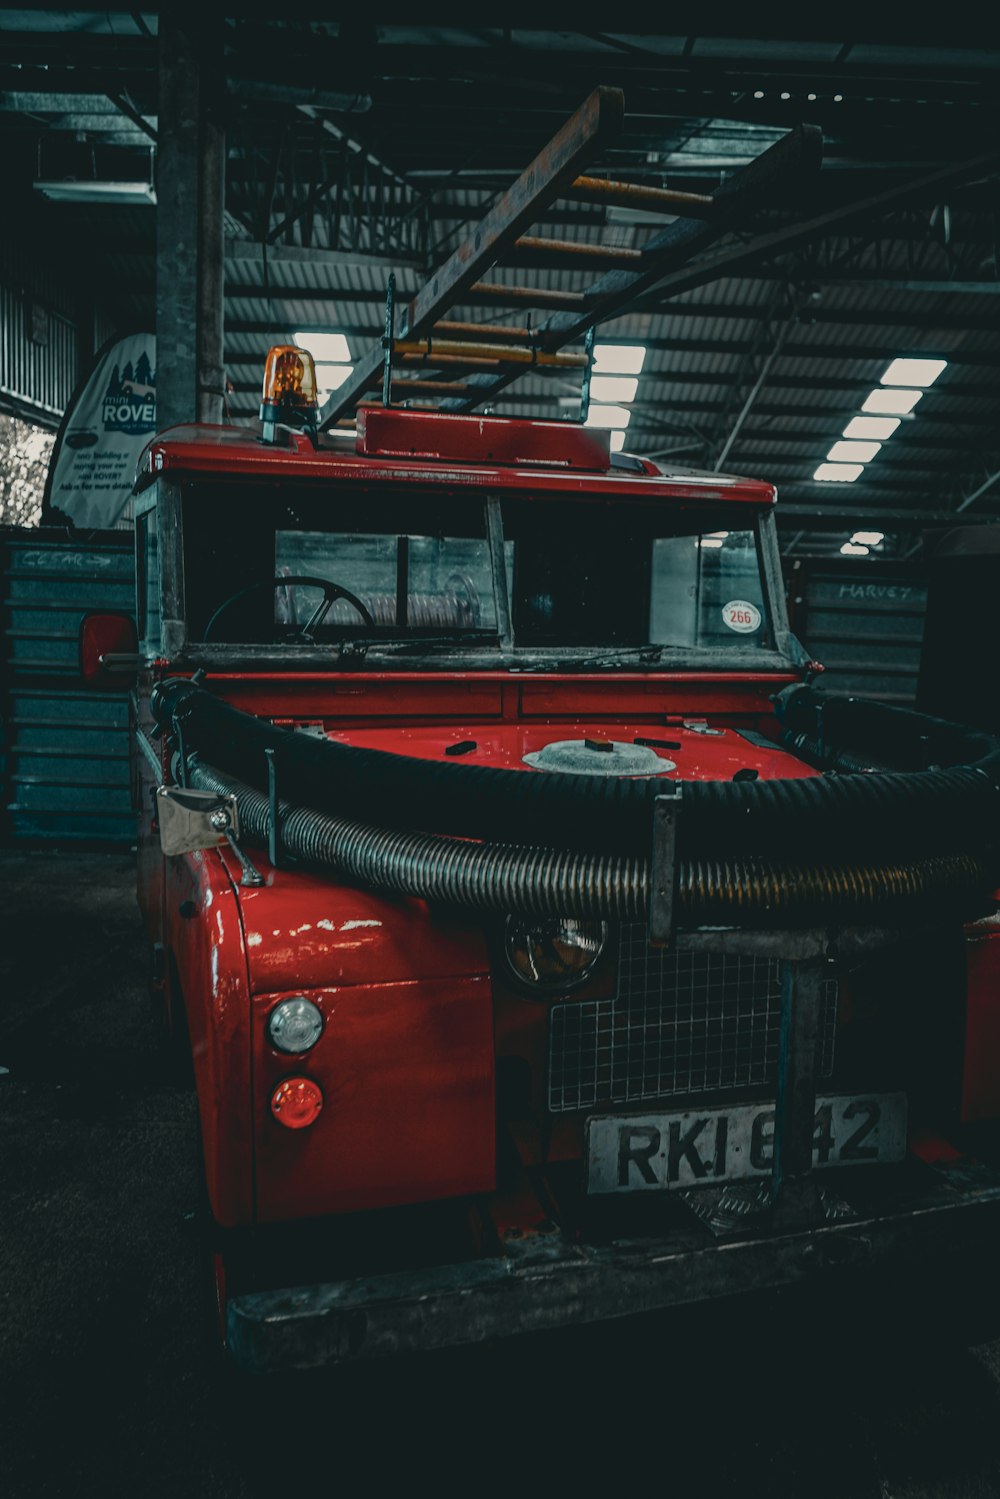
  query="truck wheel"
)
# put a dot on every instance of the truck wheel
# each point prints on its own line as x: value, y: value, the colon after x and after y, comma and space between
x: 211, y: 1246
x: 220, y: 1252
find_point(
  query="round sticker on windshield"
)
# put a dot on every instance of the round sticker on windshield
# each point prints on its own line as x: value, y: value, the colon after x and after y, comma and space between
x: 741, y: 616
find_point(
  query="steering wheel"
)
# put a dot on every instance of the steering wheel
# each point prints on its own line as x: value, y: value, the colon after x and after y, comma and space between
x: 331, y: 593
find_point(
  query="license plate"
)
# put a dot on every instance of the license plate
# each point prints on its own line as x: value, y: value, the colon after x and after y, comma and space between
x: 654, y: 1152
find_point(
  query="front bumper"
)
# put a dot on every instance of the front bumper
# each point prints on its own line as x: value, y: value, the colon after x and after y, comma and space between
x: 905, y: 1220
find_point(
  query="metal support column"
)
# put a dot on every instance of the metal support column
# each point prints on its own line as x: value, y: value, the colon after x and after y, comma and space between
x: 190, y: 190
x: 211, y: 372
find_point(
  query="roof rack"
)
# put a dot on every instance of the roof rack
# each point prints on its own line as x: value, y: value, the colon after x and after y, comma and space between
x: 473, y: 362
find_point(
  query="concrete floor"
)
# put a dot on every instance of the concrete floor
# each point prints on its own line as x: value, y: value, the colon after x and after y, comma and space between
x: 109, y: 1385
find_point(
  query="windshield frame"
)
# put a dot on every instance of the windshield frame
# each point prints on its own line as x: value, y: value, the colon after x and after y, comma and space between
x: 167, y: 494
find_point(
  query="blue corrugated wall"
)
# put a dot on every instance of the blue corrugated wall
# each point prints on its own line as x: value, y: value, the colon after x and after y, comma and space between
x: 63, y: 749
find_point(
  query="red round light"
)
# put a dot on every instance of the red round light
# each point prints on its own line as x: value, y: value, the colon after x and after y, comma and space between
x: 296, y: 1102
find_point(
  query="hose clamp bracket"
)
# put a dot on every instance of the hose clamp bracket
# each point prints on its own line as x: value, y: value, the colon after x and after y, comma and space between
x: 663, y: 871
x: 275, y: 851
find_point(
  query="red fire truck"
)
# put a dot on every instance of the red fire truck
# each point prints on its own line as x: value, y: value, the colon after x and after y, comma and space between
x: 547, y: 948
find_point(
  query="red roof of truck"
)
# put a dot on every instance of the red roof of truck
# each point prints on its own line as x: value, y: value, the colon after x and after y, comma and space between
x: 415, y: 447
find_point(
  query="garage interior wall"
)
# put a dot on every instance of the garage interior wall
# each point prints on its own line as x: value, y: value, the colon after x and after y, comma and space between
x: 63, y: 750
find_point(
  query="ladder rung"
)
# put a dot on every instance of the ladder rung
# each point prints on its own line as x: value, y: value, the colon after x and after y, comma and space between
x: 492, y: 294
x: 446, y: 361
x: 432, y: 387
x: 441, y: 348
x: 530, y: 246
x: 635, y: 195
x: 455, y: 362
x: 498, y: 333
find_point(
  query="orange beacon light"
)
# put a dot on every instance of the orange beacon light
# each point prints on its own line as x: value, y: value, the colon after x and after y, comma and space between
x: 288, y: 396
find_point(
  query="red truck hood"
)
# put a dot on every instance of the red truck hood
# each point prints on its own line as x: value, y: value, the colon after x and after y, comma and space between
x: 695, y: 750
x: 304, y: 931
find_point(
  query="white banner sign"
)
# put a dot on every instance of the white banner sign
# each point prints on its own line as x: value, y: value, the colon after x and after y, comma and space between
x: 106, y: 427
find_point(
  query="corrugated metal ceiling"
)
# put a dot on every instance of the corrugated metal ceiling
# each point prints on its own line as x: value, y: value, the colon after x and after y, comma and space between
x: 454, y: 113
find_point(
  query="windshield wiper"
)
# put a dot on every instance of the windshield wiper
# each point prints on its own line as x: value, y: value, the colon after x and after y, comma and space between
x: 410, y: 644
x: 647, y: 655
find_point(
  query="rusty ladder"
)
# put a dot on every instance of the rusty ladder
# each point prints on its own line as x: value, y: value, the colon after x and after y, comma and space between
x: 463, y: 364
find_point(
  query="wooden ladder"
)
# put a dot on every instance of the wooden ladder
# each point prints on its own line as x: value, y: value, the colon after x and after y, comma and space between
x: 475, y: 361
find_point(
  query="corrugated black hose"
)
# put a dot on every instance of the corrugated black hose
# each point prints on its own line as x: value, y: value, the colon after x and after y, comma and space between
x: 537, y: 881
x: 898, y: 814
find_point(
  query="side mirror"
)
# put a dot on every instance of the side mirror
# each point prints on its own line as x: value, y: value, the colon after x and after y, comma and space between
x: 109, y: 651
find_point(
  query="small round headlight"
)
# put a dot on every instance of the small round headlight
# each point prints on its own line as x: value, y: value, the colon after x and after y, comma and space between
x: 295, y: 1025
x: 556, y: 954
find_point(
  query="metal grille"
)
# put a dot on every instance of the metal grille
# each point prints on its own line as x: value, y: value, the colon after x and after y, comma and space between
x: 682, y: 1022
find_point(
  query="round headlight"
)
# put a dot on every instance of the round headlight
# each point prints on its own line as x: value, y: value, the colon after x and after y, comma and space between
x: 554, y: 954
x: 295, y: 1025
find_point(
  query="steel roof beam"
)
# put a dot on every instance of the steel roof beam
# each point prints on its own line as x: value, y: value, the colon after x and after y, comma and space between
x: 834, y: 414
x: 949, y: 285
x: 946, y: 445
x: 954, y: 434
x: 927, y: 325
x: 793, y: 468
x: 758, y: 365
x: 75, y: 47
x: 423, y: 60
x: 248, y: 251
x: 130, y: 112
x: 736, y: 348
x: 48, y: 101
x: 847, y: 316
x: 778, y: 242
x: 868, y: 487
x: 890, y: 518
x: 355, y: 146
x: 980, y: 489
x: 859, y: 384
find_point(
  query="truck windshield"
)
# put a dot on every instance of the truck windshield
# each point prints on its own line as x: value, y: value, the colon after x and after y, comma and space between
x: 567, y: 573
x: 318, y: 569
x: 633, y: 575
